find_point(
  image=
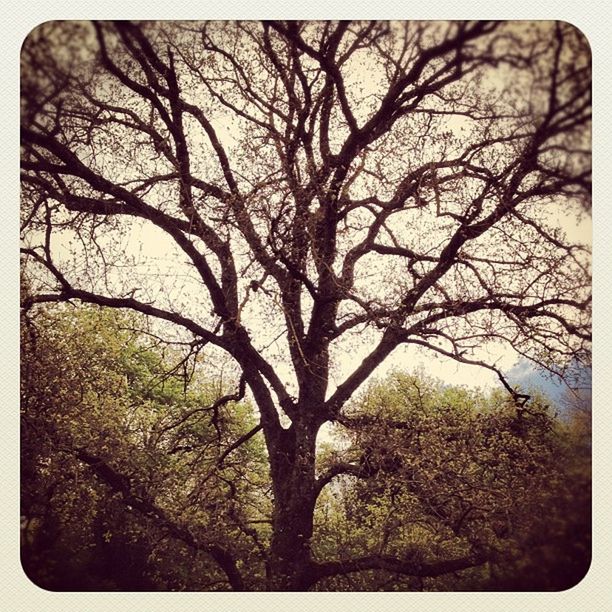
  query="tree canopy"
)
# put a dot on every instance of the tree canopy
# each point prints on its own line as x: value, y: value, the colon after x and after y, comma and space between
x: 286, y: 194
x: 129, y: 476
x: 129, y: 482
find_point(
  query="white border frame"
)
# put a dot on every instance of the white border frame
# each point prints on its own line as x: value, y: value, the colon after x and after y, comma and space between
x: 593, y: 593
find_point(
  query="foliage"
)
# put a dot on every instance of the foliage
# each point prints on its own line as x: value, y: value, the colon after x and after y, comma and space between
x: 441, y: 470
x: 446, y: 469
x: 111, y: 432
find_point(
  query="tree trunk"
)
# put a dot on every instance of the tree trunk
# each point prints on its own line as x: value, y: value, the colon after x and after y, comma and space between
x: 293, y: 475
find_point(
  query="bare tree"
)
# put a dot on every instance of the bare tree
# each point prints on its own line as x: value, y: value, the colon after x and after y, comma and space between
x: 326, y: 183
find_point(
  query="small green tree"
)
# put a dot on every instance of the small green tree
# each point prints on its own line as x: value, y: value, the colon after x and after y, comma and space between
x: 436, y: 471
x: 128, y: 470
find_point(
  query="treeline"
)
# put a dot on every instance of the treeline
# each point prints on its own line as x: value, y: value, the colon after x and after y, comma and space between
x: 134, y: 476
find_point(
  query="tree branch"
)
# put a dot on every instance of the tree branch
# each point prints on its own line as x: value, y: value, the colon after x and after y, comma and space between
x: 239, y: 442
x: 336, y: 470
x: 121, y: 484
x: 410, y: 567
x: 131, y: 303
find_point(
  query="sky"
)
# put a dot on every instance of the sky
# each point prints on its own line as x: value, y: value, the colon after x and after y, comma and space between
x: 157, y: 255
x: 151, y: 245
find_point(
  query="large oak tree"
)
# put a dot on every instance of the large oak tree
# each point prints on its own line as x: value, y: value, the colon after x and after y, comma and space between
x: 317, y: 185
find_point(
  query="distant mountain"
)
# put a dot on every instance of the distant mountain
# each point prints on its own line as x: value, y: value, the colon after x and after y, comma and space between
x: 529, y: 378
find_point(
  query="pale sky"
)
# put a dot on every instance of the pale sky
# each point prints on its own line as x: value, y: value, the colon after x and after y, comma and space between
x: 160, y: 271
x: 159, y: 256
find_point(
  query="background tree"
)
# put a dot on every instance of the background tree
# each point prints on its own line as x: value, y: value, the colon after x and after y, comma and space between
x: 320, y: 184
x: 440, y: 470
x: 128, y: 481
x: 130, y: 478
